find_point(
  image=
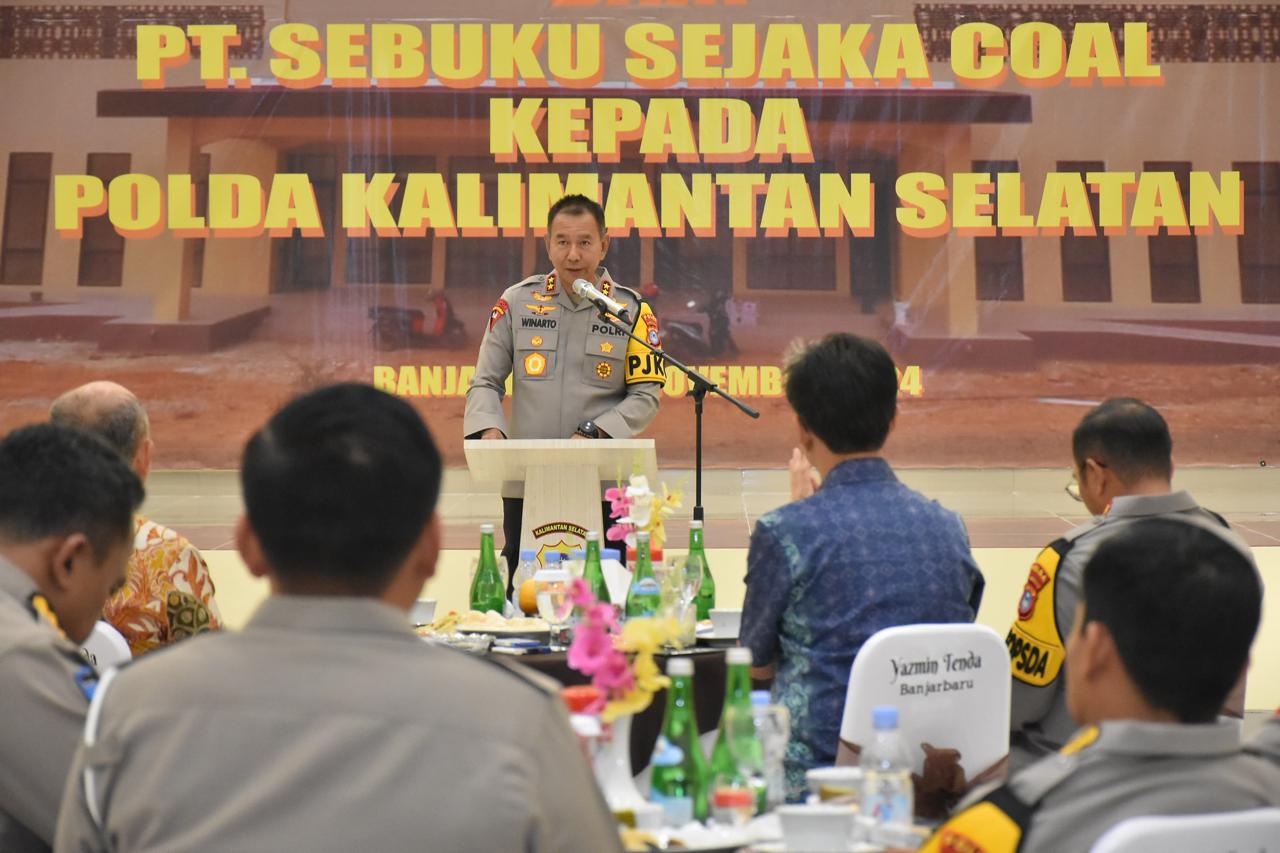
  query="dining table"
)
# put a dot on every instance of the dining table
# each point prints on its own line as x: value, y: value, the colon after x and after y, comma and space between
x: 708, y: 693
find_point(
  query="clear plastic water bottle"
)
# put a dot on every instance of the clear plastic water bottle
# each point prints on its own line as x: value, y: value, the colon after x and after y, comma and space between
x: 525, y: 570
x: 773, y: 727
x: 887, y: 795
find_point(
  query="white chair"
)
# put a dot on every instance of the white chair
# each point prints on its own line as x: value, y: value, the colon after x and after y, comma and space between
x: 106, y: 647
x: 1251, y: 831
x: 950, y: 684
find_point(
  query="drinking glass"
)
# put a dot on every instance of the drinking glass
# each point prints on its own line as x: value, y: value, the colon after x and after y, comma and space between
x: 554, y: 605
x: 682, y: 582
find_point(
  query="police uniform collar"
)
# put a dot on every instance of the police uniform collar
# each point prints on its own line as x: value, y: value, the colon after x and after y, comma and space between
x: 1138, y: 505
x: 867, y: 469
x: 347, y: 615
x: 16, y: 583
x: 1139, y: 737
x: 603, y: 280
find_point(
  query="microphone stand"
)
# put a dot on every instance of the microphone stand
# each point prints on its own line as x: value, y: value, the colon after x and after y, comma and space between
x: 699, y: 385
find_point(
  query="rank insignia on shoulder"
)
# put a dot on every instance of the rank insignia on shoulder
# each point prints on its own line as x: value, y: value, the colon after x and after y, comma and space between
x: 40, y: 608
x: 495, y: 315
x: 550, y: 286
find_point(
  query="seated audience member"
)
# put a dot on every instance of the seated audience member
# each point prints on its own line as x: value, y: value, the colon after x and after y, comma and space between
x: 66, y: 510
x: 1123, y: 465
x: 1168, y: 612
x: 168, y: 594
x: 862, y: 553
x: 1267, y: 742
x: 327, y: 724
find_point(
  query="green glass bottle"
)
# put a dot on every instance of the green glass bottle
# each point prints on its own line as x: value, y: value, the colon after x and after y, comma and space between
x: 488, y: 587
x: 644, y: 598
x: 738, y: 754
x: 593, y: 571
x: 706, y: 598
x: 678, y: 780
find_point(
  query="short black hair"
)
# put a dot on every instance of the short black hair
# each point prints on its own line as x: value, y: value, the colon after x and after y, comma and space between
x: 576, y: 203
x: 338, y: 486
x: 1183, y: 605
x: 56, y: 480
x: 844, y: 389
x: 1127, y: 436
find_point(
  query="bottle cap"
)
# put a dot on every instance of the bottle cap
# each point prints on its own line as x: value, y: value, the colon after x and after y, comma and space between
x: 642, y: 536
x: 552, y: 558
x: 738, y: 656
x: 610, y: 553
x: 578, y: 554
x: 884, y: 717
x: 760, y: 697
x: 695, y: 525
x: 528, y: 554
x: 486, y: 528
x: 593, y: 535
x: 680, y: 666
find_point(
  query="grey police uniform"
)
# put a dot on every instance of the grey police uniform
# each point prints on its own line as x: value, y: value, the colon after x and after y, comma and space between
x: 328, y: 725
x: 566, y: 364
x: 1040, y: 721
x: 44, y: 686
x: 1266, y: 742
x: 1107, y: 774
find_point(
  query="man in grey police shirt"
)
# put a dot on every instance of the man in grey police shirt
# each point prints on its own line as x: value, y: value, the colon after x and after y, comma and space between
x: 66, y: 533
x: 327, y: 724
x: 1123, y: 465
x: 571, y: 373
x: 1168, y: 611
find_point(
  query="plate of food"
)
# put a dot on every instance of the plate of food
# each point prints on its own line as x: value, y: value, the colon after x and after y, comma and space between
x: 475, y: 622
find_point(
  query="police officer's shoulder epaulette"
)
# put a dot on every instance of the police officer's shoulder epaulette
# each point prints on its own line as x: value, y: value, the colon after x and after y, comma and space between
x: 634, y: 294
x: 542, y: 683
x: 1034, y: 783
x: 536, y: 281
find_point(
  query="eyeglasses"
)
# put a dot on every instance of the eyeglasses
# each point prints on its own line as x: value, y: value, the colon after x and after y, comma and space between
x: 1072, y: 488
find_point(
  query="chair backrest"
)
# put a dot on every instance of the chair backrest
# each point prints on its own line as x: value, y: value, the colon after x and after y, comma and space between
x: 1251, y: 831
x: 106, y: 647
x: 950, y: 684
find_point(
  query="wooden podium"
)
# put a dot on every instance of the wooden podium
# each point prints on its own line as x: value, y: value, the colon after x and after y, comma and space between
x: 562, y: 480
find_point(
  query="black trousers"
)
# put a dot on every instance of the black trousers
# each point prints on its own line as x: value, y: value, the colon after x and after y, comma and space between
x: 512, y: 518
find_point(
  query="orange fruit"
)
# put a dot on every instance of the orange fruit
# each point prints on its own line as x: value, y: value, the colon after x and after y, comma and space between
x: 529, y: 597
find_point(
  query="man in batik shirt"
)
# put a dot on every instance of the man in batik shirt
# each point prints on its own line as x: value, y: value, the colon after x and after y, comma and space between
x: 168, y: 594
x: 861, y: 553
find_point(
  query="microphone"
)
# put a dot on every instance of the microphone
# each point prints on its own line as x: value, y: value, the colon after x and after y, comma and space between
x: 587, y: 290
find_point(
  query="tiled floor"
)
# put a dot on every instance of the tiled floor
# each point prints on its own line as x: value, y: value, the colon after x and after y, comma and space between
x: 1002, y: 507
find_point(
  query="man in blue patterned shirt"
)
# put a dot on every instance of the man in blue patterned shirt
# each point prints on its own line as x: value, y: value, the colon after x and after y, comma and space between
x: 860, y: 554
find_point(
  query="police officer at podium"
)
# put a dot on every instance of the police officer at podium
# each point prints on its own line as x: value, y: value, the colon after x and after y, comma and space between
x: 573, y: 375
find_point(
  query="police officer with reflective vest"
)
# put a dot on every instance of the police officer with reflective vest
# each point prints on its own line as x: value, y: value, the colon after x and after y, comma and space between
x: 1169, y: 608
x: 1123, y: 469
x: 572, y: 373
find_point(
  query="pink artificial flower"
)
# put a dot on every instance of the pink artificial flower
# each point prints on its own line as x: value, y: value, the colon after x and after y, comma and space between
x: 604, y: 614
x: 580, y: 594
x: 613, y: 493
x: 592, y: 648
x: 617, y: 532
x: 614, y: 678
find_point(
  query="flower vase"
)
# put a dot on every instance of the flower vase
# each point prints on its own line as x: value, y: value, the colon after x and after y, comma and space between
x: 613, y: 768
